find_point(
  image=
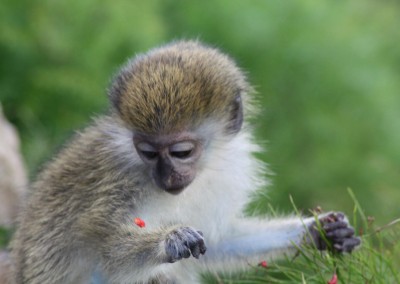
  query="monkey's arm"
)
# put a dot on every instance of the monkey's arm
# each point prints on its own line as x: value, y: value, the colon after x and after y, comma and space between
x: 253, y: 238
x: 256, y: 239
x: 133, y: 253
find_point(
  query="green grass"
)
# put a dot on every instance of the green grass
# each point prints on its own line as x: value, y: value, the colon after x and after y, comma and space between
x: 5, y: 236
x: 376, y: 261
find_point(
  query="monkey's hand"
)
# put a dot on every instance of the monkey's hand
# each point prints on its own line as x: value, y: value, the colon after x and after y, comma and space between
x: 184, y: 242
x: 335, y: 233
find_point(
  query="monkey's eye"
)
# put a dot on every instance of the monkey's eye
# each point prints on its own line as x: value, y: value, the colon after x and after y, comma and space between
x: 182, y: 150
x: 181, y: 154
x: 149, y: 155
x: 147, y: 151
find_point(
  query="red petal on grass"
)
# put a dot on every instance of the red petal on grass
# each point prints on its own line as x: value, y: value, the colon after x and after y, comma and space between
x: 263, y: 264
x: 333, y: 279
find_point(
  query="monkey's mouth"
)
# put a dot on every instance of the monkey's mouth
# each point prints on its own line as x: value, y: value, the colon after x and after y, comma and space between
x: 173, y: 184
x: 174, y: 190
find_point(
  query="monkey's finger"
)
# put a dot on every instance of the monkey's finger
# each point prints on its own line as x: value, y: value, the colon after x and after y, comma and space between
x: 347, y: 245
x: 338, y: 246
x: 198, y: 248
x: 321, y: 245
x: 350, y: 244
x: 195, y: 249
x: 200, y: 242
x: 202, y: 247
x: 185, y: 252
x: 334, y: 226
x: 172, y: 251
x: 333, y: 217
x: 340, y: 216
x: 341, y: 233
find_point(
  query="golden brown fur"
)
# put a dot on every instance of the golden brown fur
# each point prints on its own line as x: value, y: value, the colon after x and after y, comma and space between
x: 177, y: 86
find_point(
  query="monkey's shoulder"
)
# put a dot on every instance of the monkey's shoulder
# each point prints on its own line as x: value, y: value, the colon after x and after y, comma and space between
x: 99, y: 157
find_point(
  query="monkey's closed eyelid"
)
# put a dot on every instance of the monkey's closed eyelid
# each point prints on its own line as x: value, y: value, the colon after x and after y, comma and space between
x: 182, y: 147
x: 145, y: 147
x: 182, y: 150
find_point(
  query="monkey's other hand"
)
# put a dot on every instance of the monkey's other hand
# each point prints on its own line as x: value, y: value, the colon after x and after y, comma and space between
x: 184, y: 242
x: 337, y: 231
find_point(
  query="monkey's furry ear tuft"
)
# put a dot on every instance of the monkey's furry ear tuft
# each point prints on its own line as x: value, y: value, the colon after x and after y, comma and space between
x: 117, y: 87
x: 236, y: 121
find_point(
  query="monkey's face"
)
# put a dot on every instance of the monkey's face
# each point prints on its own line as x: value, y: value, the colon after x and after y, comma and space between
x: 171, y: 159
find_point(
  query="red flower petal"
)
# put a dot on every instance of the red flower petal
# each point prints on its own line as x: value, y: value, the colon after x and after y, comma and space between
x: 333, y: 279
x: 140, y: 222
x: 263, y: 264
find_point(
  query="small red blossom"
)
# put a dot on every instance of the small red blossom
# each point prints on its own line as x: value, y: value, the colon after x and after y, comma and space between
x: 140, y: 222
x: 333, y: 279
x: 263, y: 264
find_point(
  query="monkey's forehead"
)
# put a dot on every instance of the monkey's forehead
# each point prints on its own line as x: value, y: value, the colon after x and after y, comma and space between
x: 176, y: 86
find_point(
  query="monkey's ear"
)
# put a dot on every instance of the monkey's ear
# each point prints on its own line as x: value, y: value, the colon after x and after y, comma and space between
x: 236, y: 120
x: 115, y: 91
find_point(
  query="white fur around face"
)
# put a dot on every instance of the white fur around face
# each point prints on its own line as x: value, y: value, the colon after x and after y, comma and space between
x: 227, y: 174
x: 217, y: 195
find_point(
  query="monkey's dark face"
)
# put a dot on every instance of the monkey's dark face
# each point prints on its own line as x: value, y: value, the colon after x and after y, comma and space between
x: 171, y: 159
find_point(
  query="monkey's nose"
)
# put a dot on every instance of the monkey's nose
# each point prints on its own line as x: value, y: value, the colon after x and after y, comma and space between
x: 172, y: 183
x: 167, y: 178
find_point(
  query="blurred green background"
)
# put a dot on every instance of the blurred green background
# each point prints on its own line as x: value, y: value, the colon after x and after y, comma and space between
x: 327, y: 75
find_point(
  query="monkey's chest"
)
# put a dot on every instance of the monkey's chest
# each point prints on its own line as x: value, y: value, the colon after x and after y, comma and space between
x: 201, y: 212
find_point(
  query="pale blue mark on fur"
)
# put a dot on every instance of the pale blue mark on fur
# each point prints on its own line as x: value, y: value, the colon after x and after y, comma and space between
x: 97, y: 278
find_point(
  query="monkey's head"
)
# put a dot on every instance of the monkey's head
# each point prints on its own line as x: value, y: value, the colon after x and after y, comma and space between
x: 168, y: 96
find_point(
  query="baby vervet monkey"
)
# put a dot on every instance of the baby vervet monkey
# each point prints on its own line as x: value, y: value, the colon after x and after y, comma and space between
x: 175, y: 152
